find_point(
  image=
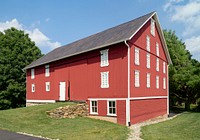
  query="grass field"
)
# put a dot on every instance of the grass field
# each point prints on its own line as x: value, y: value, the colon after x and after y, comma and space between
x: 184, y: 127
x: 33, y: 120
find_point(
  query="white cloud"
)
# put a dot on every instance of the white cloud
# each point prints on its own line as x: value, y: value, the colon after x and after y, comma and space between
x: 41, y: 40
x: 168, y: 6
x: 193, y: 44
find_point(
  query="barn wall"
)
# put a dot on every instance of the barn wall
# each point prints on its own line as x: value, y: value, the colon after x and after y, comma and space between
x: 142, y: 110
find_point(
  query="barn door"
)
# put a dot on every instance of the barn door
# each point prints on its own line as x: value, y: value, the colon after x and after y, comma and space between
x: 62, y: 91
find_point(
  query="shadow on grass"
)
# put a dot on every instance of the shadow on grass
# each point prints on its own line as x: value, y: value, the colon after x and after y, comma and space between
x: 180, y: 109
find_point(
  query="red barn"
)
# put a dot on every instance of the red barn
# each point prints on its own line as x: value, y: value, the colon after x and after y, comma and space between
x: 121, y: 72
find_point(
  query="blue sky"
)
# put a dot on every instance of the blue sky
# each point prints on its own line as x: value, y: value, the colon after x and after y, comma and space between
x: 53, y: 23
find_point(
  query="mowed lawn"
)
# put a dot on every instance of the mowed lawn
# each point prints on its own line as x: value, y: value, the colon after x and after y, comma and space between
x: 184, y: 127
x: 34, y: 120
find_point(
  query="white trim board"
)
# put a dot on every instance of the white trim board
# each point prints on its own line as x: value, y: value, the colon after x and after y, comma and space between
x: 40, y: 101
x: 101, y: 99
x: 148, y: 97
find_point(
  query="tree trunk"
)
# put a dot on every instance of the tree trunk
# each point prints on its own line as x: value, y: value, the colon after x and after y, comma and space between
x: 187, y: 104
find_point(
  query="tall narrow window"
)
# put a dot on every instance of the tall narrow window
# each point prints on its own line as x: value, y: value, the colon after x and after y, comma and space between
x: 137, y: 78
x: 148, y: 60
x: 111, y: 105
x: 47, y: 72
x: 137, y: 56
x: 32, y: 73
x: 164, y: 67
x: 32, y: 87
x: 47, y: 86
x: 148, y: 80
x: 164, y: 83
x: 157, y: 64
x: 152, y: 27
x: 157, y: 82
x: 93, y: 107
x: 104, y: 58
x: 104, y: 79
x: 157, y: 49
x: 148, y: 43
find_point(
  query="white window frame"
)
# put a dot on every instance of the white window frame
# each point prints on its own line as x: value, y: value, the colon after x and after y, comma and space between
x: 148, y: 60
x: 32, y: 87
x: 108, y: 108
x: 104, y: 58
x: 47, y: 86
x: 105, y: 79
x: 137, y: 78
x: 153, y: 27
x: 32, y: 73
x: 47, y: 71
x: 148, y: 43
x: 148, y: 80
x: 91, y: 107
x: 157, y: 49
x: 157, y: 82
x: 164, y: 67
x: 157, y: 64
x: 137, y: 56
x: 164, y: 83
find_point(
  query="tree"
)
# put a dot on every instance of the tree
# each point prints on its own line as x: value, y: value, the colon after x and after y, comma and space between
x: 184, y: 74
x: 16, y: 51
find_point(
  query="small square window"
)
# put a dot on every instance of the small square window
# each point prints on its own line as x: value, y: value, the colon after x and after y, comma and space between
x: 93, y: 107
x: 47, y: 86
x: 32, y: 87
x: 104, y: 58
x: 32, y: 73
x: 111, y: 108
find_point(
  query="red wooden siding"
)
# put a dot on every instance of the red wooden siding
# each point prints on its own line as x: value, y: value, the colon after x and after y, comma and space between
x: 142, y: 110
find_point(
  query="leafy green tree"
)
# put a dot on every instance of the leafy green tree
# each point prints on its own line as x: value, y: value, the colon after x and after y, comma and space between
x: 16, y: 51
x: 184, y: 74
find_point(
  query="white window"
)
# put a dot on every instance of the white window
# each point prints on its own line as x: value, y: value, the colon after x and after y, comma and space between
x: 93, y: 107
x: 47, y: 73
x: 157, y: 82
x: 33, y: 87
x: 148, y: 80
x: 32, y: 73
x: 148, y: 60
x: 104, y: 58
x: 148, y: 43
x: 137, y: 78
x: 152, y: 27
x: 111, y: 108
x: 137, y: 56
x: 157, y: 49
x: 47, y: 86
x: 104, y: 79
x: 157, y: 64
x: 164, y: 67
x: 164, y: 83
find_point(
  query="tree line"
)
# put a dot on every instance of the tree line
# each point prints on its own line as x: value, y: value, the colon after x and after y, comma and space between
x: 17, y: 51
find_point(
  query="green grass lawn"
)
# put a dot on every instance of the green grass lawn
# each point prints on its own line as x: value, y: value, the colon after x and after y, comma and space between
x: 184, y: 127
x: 34, y: 120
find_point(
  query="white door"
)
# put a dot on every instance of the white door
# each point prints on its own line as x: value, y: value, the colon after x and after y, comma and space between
x: 62, y: 91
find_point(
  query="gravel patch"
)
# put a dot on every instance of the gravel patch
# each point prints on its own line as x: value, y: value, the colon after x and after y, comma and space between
x: 136, y: 128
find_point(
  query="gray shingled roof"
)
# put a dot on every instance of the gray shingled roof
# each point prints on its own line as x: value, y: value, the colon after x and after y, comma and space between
x: 102, y: 39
